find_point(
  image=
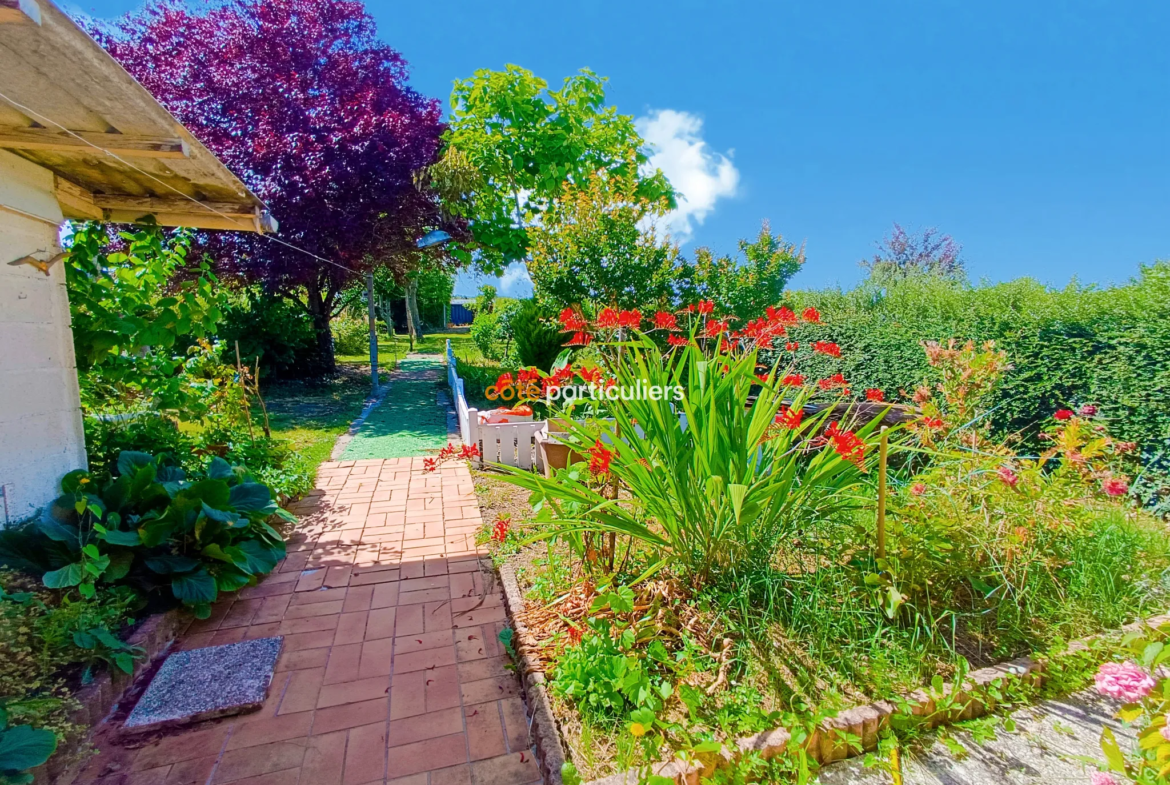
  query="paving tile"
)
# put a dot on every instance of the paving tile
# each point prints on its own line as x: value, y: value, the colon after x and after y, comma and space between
x: 365, y: 754
x: 320, y: 595
x: 344, y: 662
x: 381, y: 623
x: 489, y: 689
x: 436, y: 616
x: 353, y: 692
x: 452, y: 775
x: 300, y: 694
x: 485, y: 731
x: 427, y: 659
x: 515, y: 724
x: 299, y: 660
x: 515, y: 768
x: 358, y: 599
x: 285, y: 777
x: 252, y: 761
x: 265, y: 731
x: 324, y: 759
x: 187, y: 746
x: 426, y: 640
x: 308, y: 640
x: 350, y: 715
x: 425, y: 755
x: 351, y: 628
x: 313, y: 609
x: 425, y: 726
x: 486, y: 668
x: 191, y: 772
x: 442, y: 686
x: 409, y: 621
x: 385, y: 595
x: 408, y: 695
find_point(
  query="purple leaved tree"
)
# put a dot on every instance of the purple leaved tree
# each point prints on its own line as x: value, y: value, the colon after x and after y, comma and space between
x: 926, y: 252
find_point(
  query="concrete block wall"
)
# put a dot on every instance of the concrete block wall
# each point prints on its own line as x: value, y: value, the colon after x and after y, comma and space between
x: 41, y: 436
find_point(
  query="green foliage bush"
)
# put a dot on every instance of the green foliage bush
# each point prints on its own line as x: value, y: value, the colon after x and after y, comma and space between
x: 275, y: 329
x: 538, y: 341
x: 350, y: 335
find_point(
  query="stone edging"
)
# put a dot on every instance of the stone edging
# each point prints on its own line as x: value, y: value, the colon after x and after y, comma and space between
x: 550, y: 755
x: 826, y: 744
x: 99, y: 698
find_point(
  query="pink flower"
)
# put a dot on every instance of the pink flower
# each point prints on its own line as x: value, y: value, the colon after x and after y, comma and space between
x: 1115, y: 486
x: 1101, y: 778
x: 1063, y: 414
x: 1124, y: 681
x: 1088, y: 410
x: 1166, y: 729
x: 917, y: 489
x: 1009, y: 477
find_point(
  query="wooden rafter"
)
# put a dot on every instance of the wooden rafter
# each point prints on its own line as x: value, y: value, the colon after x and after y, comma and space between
x: 120, y: 144
x: 19, y: 12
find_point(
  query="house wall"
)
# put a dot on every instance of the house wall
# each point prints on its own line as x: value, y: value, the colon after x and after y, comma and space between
x: 41, y: 436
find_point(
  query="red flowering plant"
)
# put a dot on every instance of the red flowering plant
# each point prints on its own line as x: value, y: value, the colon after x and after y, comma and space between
x: 713, y: 478
x: 451, y: 452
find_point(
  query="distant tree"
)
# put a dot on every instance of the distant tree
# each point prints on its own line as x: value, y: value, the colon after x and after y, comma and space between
x: 514, y: 145
x: 743, y: 287
x: 596, y: 246
x: 314, y: 113
x: 928, y: 252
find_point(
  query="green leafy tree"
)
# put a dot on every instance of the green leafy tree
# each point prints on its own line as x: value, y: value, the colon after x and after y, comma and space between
x: 513, y: 145
x: 743, y: 287
x: 596, y: 246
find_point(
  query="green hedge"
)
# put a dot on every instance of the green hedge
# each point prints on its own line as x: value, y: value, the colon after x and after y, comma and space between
x: 1080, y: 344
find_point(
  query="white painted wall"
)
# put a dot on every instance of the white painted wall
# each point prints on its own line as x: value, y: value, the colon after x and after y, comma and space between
x: 41, y: 436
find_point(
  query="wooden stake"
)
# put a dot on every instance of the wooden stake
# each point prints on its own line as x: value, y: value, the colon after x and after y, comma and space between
x: 883, y: 452
x: 244, y: 384
x: 259, y: 397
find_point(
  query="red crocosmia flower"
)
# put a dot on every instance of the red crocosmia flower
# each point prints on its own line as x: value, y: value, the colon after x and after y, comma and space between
x: 571, y: 321
x: 468, y: 453
x: 630, y: 319
x: 811, y: 315
x: 792, y: 346
x: 933, y: 422
x: 590, y: 375
x: 665, y: 320
x: 715, y: 327
x: 847, y: 444
x: 599, y: 458
x: 580, y: 338
x: 1009, y: 477
x: 875, y: 395
x: 607, y: 319
x: 827, y: 347
x: 691, y: 308
x: 1063, y: 414
x: 1088, y: 410
x: 706, y: 306
x: 762, y: 378
x: 790, y: 418
x: 836, y: 380
x: 1125, y: 447
x: 574, y: 634
x: 1115, y: 486
x: 566, y: 315
x: 917, y: 489
x: 504, y: 380
x: 677, y: 340
x: 792, y: 380
x: 500, y: 528
x: 430, y: 464
x: 783, y: 315
x: 525, y: 375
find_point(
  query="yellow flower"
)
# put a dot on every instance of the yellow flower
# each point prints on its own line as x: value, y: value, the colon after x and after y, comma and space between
x: 637, y: 729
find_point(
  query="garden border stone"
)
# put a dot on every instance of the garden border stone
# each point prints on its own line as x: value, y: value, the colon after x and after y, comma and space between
x: 103, y: 695
x: 826, y: 744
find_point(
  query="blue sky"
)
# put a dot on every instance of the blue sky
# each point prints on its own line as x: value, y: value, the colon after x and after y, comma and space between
x: 1037, y: 134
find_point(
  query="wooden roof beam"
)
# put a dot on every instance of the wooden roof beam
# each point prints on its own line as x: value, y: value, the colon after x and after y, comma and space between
x: 127, y: 145
x: 78, y: 203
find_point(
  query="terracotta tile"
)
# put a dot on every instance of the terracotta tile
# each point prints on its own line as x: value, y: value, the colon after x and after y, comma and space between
x: 261, y: 631
x: 358, y: 599
x: 468, y: 604
x: 425, y: 726
x: 350, y: 715
x: 299, y: 660
x: 313, y: 609
x: 353, y: 692
x: 515, y: 768
x: 188, y: 746
x: 485, y: 731
x: 324, y: 759
x: 423, y: 641
x: 426, y: 595
x: 351, y: 628
x: 486, y: 668
x: 196, y: 641
x: 281, y: 728
x: 469, y: 644
x: 273, y: 609
x: 311, y: 580
x: 149, y: 777
x: 428, y: 659
x: 385, y: 595
x: 424, y: 755
x: 365, y: 755
x: 321, y: 595
x: 241, y: 613
x: 410, y: 621
x: 515, y: 724
x: 442, y: 685
x: 312, y: 624
x: 413, y: 779
x: 479, y: 616
x: 230, y: 635
x: 408, y: 695
x: 253, y: 761
x: 191, y: 772
x: 344, y: 662
x: 412, y: 569
x: 381, y: 623
x: 338, y: 576
x: 376, y: 658
x: 301, y: 692
x: 308, y: 640
x: 436, y: 616
x: 378, y: 576
x: 489, y: 689
x: 285, y: 777
x: 452, y: 775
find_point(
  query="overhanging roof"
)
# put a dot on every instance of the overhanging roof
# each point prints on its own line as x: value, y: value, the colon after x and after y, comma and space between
x: 76, y: 103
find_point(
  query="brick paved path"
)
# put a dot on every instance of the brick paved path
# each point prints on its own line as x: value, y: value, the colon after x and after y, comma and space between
x: 391, y: 670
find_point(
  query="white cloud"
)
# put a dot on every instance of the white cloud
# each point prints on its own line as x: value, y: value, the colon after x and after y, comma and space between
x: 515, y: 281
x: 700, y: 175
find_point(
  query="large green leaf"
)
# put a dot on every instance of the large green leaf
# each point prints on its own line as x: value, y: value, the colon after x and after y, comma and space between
x: 118, y: 537
x: 69, y: 575
x: 213, y: 493
x: 222, y: 516
x: 23, y: 747
x: 254, y: 557
x: 168, y: 565
x: 194, y: 587
x: 219, y: 469
x: 129, y: 460
x: 250, y: 497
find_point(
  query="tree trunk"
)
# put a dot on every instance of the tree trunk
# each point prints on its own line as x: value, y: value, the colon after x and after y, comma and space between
x: 320, y: 308
x: 413, y: 322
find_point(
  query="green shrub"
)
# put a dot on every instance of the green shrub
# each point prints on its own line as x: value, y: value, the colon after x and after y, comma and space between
x: 275, y: 329
x: 154, y: 527
x: 538, y: 341
x: 350, y: 336
x: 485, y: 334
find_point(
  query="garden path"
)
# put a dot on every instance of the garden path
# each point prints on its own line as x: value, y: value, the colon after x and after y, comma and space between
x: 1043, y: 749
x: 391, y: 671
x: 405, y: 422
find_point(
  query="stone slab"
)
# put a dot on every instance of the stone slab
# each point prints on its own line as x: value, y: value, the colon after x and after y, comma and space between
x: 201, y: 684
